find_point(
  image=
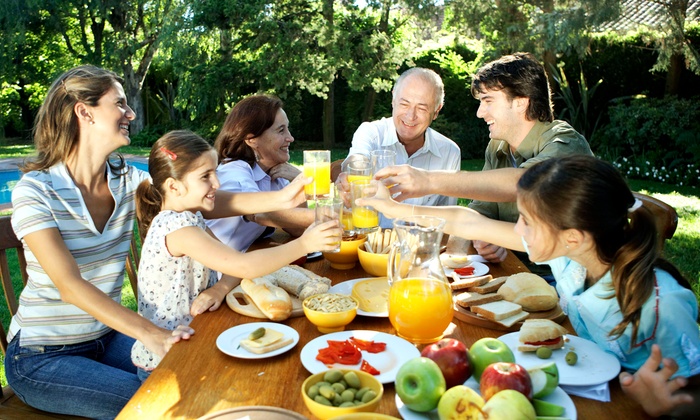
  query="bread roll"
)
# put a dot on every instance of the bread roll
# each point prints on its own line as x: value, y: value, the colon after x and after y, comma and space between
x: 298, y: 281
x: 529, y: 291
x: 272, y: 301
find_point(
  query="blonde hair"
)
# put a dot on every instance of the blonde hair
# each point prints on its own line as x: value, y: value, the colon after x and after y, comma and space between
x: 56, y: 130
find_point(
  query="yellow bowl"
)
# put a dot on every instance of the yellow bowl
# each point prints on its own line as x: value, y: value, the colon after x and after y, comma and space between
x: 324, y: 412
x: 346, y: 258
x: 325, y: 320
x: 374, y: 264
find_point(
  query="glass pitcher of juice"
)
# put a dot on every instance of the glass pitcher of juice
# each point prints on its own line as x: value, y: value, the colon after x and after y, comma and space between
x: 420, y: 298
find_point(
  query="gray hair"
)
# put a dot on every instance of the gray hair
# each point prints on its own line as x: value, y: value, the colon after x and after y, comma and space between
x: 428, y: 76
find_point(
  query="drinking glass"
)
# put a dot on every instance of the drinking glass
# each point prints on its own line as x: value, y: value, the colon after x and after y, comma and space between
x: 327, y: 209
x: 380, y: 159
x: 359, y: 170
x: 317, y: 164
x: 364, y: 218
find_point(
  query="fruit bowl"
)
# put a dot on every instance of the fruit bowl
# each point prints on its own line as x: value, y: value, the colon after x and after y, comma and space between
x: 346, y: 258
x: 374, y: 264
x: 327, y: 412
x: 330, y: 312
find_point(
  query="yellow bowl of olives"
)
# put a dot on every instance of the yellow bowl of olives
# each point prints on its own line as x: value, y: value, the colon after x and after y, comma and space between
x: 338, y: 392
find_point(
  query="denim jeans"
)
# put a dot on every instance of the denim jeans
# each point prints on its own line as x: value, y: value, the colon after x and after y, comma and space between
x: 92, y: 379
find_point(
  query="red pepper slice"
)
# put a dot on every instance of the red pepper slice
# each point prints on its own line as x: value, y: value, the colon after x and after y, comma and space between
x: 465, y: 271
x: 367, y: 345
x: 366, y: 367
x: 549, y: 342
x: 342, y: 352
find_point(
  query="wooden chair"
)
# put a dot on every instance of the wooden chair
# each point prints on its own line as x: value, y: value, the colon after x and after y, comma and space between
x: 336, y: 169
x: 665, y: 216
x: 11, y: 407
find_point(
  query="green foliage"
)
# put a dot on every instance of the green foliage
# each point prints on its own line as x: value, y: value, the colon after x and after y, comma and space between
x: 578, y: 104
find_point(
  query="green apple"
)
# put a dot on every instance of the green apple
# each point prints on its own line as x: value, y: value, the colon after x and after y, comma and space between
x: 545, y: 379
x: 420, y: 384
x: 548, y: 409
x: 508, y: 405
x: 486, y: 351
x: 460, y: 403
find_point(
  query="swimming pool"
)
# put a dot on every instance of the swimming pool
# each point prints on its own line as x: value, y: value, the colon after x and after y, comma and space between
x: 8, y: 180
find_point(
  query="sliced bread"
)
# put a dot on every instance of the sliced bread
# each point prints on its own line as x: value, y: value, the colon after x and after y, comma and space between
x: 468, y: 299
x: 510, y: 321
x: 496, y: 311
x: 459, y: 283
x: 490, y: 287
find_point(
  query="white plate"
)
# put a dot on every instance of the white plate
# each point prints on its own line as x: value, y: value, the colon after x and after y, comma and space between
x: 558, y: 397
x: 345, y: 288
x: 229, y: 340
x: 594, y: 366
x: 388, y: 362
x: 479, y: 270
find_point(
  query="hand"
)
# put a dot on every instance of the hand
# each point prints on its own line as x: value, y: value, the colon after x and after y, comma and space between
x: 405, y: 181
x: 344, y: 188
x: 161, y: 343
x: 322, y: 236
x: 650, y: 385
x: 293, y: 194
x: 381, y: 201
x: 284, y: 171
x: 492, y: 253
x: 210, y: 300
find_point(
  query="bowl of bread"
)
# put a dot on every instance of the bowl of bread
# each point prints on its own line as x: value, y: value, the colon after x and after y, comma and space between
x: 346, y: 258
x: 374, y: 254
x: 330, y: 312
x: 339, y: 392
x: 505, y: 302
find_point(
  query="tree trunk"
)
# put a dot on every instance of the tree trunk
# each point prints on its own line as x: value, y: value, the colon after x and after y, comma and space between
x: 370, y: 100
x: 673, y: 77
x: 329, y: 119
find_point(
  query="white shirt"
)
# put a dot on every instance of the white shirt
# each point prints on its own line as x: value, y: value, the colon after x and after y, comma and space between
x: 437, y: 153
x: 238, y: 176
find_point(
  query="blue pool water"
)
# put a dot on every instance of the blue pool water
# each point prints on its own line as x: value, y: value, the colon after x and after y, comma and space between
x: 8, y: 179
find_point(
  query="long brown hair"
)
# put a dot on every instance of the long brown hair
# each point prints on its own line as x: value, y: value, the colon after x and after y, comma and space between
x: 589, y: 194
x: 171, y: 156
x: 56, y: 129
x: 249, y: 117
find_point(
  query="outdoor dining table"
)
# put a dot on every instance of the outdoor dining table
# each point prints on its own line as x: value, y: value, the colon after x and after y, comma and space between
x: 195, y: 378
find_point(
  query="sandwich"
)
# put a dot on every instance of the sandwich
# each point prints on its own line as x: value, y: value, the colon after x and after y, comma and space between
x: 269, y: 340
x: 536, y: 333
x: 530, y: 291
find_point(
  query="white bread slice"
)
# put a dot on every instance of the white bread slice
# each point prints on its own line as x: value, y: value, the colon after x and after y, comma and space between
x: 459, y: 283
x: 496, y: 311
x: 468, y: 299
x: 509, y: 322
x: 272, y: 340
x: 492, y: 286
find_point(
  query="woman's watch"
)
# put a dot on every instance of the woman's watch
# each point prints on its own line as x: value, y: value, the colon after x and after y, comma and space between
x: 249, y: 217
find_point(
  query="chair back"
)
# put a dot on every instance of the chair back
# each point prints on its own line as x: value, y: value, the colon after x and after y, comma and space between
x: 8, y: 241
x: 665, y: 216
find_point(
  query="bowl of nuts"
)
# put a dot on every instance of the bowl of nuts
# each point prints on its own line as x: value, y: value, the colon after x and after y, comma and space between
x: 338, y: 392
x: 330, y: 312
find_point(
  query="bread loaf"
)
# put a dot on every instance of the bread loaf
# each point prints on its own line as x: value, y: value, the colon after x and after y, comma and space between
x: 298, y: 281
x: 272, y: 301
x: 529, y: 291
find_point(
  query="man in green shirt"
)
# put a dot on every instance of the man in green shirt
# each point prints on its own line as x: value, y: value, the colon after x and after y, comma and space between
x: 515, y: 102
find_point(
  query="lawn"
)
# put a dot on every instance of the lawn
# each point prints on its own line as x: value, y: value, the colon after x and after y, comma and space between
x: 681, y: 250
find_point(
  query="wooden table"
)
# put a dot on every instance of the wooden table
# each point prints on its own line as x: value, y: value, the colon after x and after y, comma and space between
x: 195, y: 378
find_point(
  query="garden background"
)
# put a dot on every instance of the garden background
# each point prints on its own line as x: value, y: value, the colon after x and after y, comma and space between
x: 625, y: 73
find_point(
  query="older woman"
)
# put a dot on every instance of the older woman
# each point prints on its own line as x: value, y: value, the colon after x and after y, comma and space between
x: 253, y: 149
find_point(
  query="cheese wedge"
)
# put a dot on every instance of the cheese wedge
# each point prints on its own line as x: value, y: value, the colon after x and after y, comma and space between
x: 372, y: 295
x: 272, y: 340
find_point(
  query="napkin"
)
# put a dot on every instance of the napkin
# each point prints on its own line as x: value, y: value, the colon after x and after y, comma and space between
x: 600, y: 392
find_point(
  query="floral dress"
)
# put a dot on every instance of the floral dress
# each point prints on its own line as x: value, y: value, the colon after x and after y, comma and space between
x: 167, y: 285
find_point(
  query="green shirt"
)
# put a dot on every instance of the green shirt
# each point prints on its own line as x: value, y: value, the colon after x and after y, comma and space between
x: 544, y: 141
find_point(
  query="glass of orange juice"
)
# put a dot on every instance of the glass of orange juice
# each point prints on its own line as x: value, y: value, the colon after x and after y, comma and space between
x: 317, y: 164
x: 358, y: 170
x: 364, y: 218
x: 420, y: 298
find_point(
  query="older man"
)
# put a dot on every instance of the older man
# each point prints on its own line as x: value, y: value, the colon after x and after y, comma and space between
x: 515, y: 102
x: 417, y: 99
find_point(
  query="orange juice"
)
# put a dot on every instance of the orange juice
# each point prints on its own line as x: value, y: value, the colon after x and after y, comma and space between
x: 346, y: 219
x: 353, y: 177
x: 363, y: 218
x: 420, y: 309
x: 321, y: 172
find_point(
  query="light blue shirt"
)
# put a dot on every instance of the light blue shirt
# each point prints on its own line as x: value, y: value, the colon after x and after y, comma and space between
x: 594, y: 312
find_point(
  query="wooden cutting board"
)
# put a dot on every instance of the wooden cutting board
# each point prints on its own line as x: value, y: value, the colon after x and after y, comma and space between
x: 464, y: 314
x: 241, y: 303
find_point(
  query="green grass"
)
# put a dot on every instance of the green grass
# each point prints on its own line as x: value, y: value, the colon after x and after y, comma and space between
x: 681, y: 250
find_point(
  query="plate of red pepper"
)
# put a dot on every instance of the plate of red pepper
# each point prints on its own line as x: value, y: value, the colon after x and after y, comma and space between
x: 374, y: 352
x: 473, y: 269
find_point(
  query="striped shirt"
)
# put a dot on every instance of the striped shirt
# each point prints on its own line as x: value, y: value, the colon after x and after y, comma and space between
x: 49, y: 199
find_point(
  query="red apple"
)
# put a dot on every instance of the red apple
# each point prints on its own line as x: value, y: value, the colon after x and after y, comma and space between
x: 452, y: 357
x: 505, y: 375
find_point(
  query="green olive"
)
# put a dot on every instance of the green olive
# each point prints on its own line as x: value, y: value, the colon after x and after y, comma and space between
x: 347, y: 395
x: 338, y: 387
x: 369, y: 396
x: 313, y: 391
x: 327, y: 392
x: 571, y: 358
x: 544, y: 353
x: 347, y: 404
x: 321, y: 400
x: 257, y: 334
x: 333, y: 376
x: 352, y: 379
